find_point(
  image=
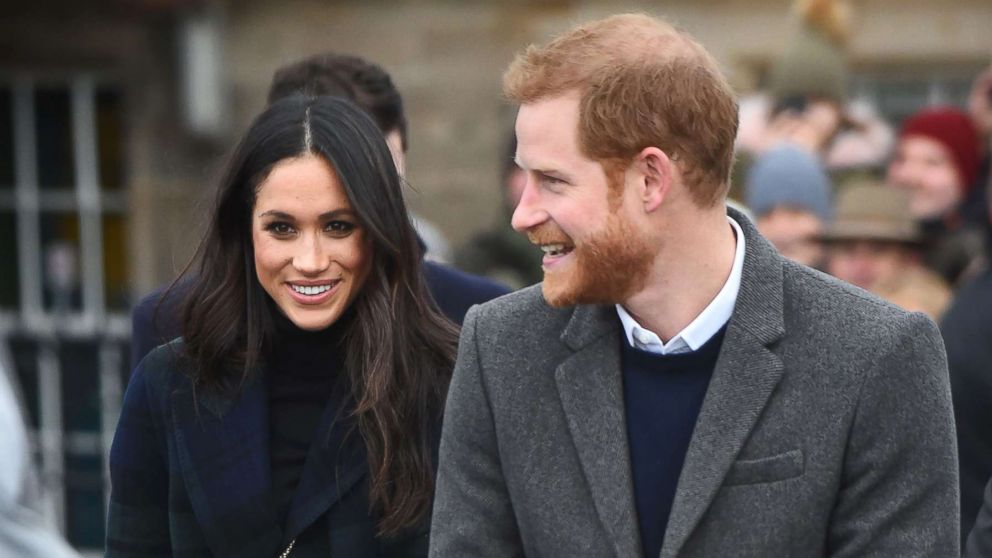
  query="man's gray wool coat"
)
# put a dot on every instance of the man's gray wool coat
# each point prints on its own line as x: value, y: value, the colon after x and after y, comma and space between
x: 826, y: 430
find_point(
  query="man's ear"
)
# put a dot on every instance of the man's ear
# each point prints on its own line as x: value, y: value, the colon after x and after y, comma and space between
x: 656, y: 174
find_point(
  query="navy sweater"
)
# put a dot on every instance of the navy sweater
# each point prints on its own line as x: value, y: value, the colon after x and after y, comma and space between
x: 663, y: 395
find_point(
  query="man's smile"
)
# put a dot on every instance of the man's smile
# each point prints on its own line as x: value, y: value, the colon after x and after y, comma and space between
x: 556, y: 249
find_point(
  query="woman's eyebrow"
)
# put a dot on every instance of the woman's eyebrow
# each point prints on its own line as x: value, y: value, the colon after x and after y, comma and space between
x: 276, y: 214
x: 343, y: 212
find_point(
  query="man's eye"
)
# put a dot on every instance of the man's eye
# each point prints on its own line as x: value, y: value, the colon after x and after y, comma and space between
x: 279, y: 228
x: 552, y: 182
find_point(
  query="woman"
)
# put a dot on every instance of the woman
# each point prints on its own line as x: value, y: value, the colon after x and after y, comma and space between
x: 936, y: 161
x: 299, y: 413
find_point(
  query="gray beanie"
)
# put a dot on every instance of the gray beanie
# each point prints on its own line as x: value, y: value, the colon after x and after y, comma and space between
x: 791, y: 177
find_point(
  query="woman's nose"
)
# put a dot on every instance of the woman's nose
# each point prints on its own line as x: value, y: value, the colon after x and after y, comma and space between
x: 310, y: 257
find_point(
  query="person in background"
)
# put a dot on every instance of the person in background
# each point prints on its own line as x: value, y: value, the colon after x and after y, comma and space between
x: 501, y: 252
x: 805, y: 100
x: 967, y: 332
x: 23, y: 531
x: 789, y: 195
x: 155, y: 317
x: 802, y: 102
x: 299, y: 413
x: 874, y: 243
x: 808, y: 81
x: 936, y: 161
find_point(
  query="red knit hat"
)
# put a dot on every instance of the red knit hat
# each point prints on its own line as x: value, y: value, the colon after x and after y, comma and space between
x: 954, y: 130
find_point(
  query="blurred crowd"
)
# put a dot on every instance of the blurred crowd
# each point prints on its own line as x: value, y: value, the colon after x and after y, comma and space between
x: 899, y: 209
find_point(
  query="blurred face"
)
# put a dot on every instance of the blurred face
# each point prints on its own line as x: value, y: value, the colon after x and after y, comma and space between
x: 924, y: 168
x: 312, y: 255
x: 592, y: 253
x: 867, y: 263
x: 794, y: 234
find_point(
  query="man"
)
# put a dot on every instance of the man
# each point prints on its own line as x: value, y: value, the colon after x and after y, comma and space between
x: 789, y: 194
x: 155, y: 318
x: 937, y: 162
x: 675, y: 387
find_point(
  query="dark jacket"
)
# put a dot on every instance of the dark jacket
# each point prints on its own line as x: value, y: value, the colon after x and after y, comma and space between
x: 191, y: 476
x: 980, y: 542
x: 967, y: 332
x: 454, y: 291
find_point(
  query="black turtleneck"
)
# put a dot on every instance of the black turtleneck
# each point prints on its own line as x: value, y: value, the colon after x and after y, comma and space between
x: 303, y: 367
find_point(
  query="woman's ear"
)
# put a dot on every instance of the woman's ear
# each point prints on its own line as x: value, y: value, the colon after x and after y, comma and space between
x: 655, y: 174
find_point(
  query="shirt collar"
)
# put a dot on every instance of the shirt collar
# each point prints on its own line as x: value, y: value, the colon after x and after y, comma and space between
x: 705, y: 325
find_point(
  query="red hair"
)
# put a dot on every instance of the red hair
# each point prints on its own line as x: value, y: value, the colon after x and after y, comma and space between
x: 642, y: 83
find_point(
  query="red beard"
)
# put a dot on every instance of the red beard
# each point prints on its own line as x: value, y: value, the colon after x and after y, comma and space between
x: 608, y: 268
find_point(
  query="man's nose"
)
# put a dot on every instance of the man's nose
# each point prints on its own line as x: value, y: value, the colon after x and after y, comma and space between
x: 529, y: 212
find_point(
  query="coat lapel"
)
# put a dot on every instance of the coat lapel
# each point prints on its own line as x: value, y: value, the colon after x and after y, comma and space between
x: 223, y: 449
x: 746, y: 373
x: 591, y: 391
x: 335, y: 462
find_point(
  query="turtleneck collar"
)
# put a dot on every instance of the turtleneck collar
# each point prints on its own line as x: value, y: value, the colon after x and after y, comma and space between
x: 298, y: 352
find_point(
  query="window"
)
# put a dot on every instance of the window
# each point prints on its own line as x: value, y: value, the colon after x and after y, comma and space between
x: 63, y: 296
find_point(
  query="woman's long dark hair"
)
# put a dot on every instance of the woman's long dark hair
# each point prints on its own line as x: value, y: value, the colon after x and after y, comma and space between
x: 399, y: 349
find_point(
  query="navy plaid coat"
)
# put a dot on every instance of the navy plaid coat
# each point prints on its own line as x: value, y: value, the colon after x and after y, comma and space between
x: 190, y: 477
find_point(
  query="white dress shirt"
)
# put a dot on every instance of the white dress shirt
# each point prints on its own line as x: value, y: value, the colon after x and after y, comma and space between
x: 704, y: 326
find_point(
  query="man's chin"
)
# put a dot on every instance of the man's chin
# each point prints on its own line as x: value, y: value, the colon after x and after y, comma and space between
x: 555, y: 295
x: 559, y: 295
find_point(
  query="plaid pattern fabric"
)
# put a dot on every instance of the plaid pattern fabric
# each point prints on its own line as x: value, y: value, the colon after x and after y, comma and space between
x: 190, y: 477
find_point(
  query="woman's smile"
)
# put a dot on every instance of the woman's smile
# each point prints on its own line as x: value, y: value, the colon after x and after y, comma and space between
x: 309, y: 293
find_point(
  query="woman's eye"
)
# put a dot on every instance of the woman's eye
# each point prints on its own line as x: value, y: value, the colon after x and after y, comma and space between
x: 280, y: 229
x: 339, y: 227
